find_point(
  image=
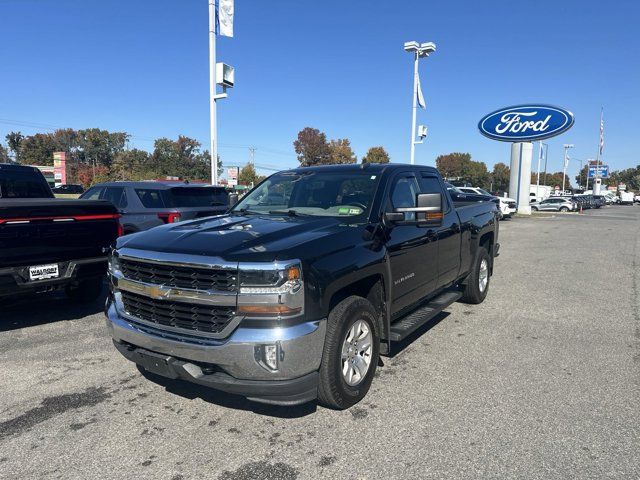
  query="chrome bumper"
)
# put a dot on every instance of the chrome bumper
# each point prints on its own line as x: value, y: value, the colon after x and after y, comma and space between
x: 300, y: 348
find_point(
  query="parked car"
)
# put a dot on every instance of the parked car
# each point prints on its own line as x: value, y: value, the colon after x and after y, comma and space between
x: 49, y: 244
x: 599, y: 200
x: 507, y: 206
x: 587, y: 201
x: 555, y: 204
x: 69, y: 188
x: 295, y: 293
x: 144, y: 205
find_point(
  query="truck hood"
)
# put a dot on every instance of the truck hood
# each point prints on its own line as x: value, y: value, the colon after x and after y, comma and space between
x: 240, y: 238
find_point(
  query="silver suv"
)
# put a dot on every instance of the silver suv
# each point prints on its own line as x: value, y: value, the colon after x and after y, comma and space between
x: 557, y: 204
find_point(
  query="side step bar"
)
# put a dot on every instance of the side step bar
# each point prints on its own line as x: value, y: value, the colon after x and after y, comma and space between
x: 404, y: 327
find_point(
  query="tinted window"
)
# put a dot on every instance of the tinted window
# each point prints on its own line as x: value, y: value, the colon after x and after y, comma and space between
x: 92, y: 193
x: 150, y: 198
x: 21, y: 185
x: 196, y: 197
x: 116, y: 196
x: 430, y: 185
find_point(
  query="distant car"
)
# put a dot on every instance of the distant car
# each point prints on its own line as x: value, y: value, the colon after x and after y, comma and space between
x: 145, y: 205
x: 507, y: 205
x: 599, y: 200
x: 587, y: 201
x: 558, y: 204
x: 70, y: 188
x: 636, y: 198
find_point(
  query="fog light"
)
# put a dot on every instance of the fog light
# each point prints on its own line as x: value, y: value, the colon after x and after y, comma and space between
x: 271, y: 356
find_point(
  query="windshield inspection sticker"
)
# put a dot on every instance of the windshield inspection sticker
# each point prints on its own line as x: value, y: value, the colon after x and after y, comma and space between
x: 354, y: 211
x: 343, y: 211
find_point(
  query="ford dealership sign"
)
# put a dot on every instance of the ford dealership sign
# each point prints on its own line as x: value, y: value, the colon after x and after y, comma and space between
x: 524, y: 123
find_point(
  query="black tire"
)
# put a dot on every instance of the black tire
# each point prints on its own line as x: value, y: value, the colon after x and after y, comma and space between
x: 535, y: 209
x: 472, y: 292
x: 564, y: 209
x: 86, y: 291
x: 333, y: 390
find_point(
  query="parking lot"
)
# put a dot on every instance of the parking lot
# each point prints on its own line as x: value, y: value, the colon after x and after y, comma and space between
x: 542, y: 380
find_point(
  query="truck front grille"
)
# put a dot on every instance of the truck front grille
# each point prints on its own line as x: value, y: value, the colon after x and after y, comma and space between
x: 197, y: 278
x: 185, y: 316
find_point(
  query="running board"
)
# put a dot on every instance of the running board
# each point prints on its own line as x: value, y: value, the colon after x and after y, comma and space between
x: 409, y: 324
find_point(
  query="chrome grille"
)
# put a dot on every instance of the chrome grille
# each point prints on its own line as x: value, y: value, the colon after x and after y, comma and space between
x: 185, y: 316
x: 197, y: 278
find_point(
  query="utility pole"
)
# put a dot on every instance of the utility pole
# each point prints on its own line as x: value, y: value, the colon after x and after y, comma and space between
x: 252, y: 152
x: 212, y: 91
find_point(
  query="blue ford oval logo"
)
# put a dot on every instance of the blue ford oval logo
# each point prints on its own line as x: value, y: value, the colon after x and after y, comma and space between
x: 522, y: 123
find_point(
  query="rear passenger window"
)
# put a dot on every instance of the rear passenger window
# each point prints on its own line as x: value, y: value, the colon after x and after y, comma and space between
x: 92, y: 194
x: 431, y: 185
x: 150, y: 198
x: 116, y: 196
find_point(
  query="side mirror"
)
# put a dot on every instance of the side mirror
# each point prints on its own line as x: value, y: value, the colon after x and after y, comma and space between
x: 428, y: 209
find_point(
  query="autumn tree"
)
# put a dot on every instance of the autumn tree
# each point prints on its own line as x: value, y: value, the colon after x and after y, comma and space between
x: 340, y: 152
x: 376, y: 155
x: 460, y: 166
x: 312, y: 147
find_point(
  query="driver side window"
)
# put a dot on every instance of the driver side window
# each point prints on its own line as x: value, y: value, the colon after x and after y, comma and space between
x: 403, y: 195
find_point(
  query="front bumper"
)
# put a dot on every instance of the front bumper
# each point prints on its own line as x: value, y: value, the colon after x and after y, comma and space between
x: 233, y: 365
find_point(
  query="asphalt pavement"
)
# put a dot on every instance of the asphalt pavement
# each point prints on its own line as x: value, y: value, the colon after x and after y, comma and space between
x: 540, y: 381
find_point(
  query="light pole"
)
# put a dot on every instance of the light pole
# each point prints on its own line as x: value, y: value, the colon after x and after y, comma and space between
x: 567, y: 146
x: 419, y: 51
x: 543, y: 150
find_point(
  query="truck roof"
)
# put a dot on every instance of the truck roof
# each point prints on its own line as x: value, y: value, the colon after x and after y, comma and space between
x: 358, y: 167
x: 14, y: 167
x: 154, y: 184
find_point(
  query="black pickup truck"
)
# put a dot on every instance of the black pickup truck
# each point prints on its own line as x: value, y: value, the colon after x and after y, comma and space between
x: 293, y: 295
x: 48, y: 244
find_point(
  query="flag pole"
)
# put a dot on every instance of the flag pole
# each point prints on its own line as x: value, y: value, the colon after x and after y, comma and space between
x: 538, y: 180
x: 212, y: 92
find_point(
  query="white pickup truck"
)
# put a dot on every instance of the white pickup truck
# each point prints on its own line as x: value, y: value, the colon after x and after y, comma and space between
x: 507, y: 205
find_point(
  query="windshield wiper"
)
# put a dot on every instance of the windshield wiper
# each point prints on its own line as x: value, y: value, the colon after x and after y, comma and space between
x: 290, y: 212
x: 243, y: 211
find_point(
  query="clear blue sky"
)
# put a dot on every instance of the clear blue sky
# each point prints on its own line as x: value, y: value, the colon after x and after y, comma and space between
x: 142, y: 67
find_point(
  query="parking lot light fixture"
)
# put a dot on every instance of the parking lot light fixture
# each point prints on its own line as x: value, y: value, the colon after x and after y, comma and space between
x: 419, y: 50
x: 567, y: 146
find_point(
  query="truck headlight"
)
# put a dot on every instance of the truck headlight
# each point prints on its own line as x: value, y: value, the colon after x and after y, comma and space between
x: 113, y: 264
x: 271, y: 289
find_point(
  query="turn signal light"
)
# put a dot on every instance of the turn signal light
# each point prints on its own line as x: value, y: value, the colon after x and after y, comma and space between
x: 171, y: 217
x: 268, y: 310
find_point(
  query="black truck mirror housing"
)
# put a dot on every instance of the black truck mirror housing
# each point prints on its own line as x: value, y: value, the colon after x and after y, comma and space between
x: 428, y: 209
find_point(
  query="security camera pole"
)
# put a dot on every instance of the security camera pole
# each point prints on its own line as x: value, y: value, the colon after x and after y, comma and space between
x: 220, y: 22
x: 419, y: 51
x: 567, y: 146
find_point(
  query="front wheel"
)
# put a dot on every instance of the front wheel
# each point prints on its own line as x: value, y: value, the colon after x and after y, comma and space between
x: 477, y: 284
x: 351, y: 352
x: 535, y: 209
x: 564, y: 209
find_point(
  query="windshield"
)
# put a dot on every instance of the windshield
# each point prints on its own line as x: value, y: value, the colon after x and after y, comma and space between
x: 483, y: 192
x: 196, y: 197
x: 334, y: 194
x: 450, y: 188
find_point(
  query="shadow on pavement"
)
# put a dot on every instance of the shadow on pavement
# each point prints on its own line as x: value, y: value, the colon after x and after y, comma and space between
x: 191, y: 391
x: 33, y: 310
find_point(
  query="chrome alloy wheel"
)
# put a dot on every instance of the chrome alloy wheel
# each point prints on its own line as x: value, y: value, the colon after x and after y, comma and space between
x: 483, y: 277
x: 356, y: 353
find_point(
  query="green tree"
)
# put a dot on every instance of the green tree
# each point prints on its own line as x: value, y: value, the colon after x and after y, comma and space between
x: 14, y: 141
x: 500, y: 176
x: 460, y: 166
x: 248, y: 175
x: 340, y: 152
x: 38, y: 149
x: 312, y: 147
x: 132, y: 165
x: 376, y: 155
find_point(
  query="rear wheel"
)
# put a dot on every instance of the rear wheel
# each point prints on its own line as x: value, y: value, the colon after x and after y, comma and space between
x: 351, y: 351
x: 477, y: 284
x: 86, y: 291
x: 535, y: 209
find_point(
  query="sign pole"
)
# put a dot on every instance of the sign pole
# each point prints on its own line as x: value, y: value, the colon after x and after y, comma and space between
x: 212, y: 92
x: 538, y: 180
